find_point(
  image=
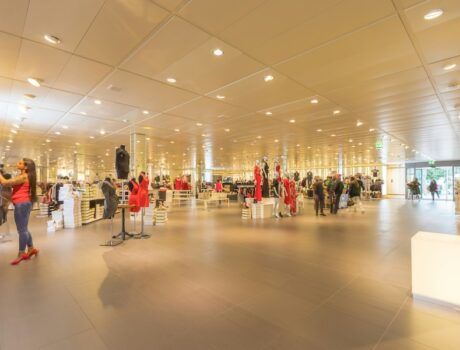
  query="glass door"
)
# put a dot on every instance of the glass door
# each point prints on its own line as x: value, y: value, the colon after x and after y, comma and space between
x: 444, y: 180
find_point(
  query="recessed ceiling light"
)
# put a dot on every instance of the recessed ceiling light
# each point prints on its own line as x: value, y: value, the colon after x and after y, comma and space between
x: 268, y: 78
x: 406, y: 147
x: 177, y: 130
x: 319, y: 130
x: 91, y: 137
x: 371, y: 130
x: 220, y: 97
x: 276, y: 140
x: 15, y: 126
x: 10, y: 141
x: 24, y: 109
x: 145, y: 112
x: 259, y: 137
x: 298, y: 145
x: 77, y: 143
x: 350, y: 140
x: 292, y: 121
x: 30, y: 96
x: 337, y: 111
x: 433, y: 14
x: 57, y: 133
x: 98, y: 102
x: 102, y: 132
x: 314, y: 101
x: 65, y: 127
x: 147, y: 138
x: 171, y: 80
x: 125, y: 121
x: 199, y: 124
x: 449, y: 66
x: 14, y: 131
x: 52, y: 39
x: 227, y: 130
x: 359, y: 123
x: 268, y: 113
x: 333, y: 135
x: 218, y: 52
x: 204, y: 135
x: 171, y: 142
x: 34, y: 81
x: 48, y: 140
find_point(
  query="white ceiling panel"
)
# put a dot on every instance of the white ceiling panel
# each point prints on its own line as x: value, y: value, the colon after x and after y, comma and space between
x: 118, y: 28
x: 145, y: 93
x: 9, y: 48
x: 340, y: 19
x: 40, y: 61
x: 170, y: 5
x: 355, y: 58
x: 215, y: 16
x: 66, y: 19
x: 13, y: 16
x: 172, y: 42
x: 106, y: 110
x: 81, y: 75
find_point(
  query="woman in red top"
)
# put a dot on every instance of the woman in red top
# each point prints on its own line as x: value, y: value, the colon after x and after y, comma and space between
x: 23, y: 196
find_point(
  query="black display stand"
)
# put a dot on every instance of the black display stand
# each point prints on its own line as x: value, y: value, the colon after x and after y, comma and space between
x: 123, y: 234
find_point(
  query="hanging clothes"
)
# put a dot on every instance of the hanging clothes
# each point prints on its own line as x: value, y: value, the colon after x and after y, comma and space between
x: 134, y: 196
x: 258, y: 184
x: 111, y: 199
x: 293, y: 195
x: 287, y: 191
x: 143, y: 191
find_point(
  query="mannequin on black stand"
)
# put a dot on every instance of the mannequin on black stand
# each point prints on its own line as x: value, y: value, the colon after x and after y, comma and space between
x: 122, y: 162
x: 265, y: 173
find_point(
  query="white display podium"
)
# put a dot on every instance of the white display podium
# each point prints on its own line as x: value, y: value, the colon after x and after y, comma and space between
x: 435, y: 267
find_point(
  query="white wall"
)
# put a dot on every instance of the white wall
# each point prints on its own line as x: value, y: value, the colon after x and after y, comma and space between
x: 396, y: 180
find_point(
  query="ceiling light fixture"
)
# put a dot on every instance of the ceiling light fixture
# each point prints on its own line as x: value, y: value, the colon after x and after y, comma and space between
x: 171, y: 142
x: 34, y: 82
x: 337, y: 111
x: 177, y: 130
x: 199, y: 124
x: 102, y: 132
x: 359, y: 123
x: 314, y: 101
x: 171, y: 80
x: 220, y: 97
x: 15, y: 126
x: 227, y: 130
x: 371, y: 130
x: 319, y: 130
x: 268, y: 113
x: 350, y: 140
x: 268, y: 78
x: 14, y: 131
x: 10, y: 141
x: 98, y: 102
x: 91, y: 137
x: 333, y: 135
x: 433, y: 14
x: 30, y: 96
x: 65, y: 127
x: 125, y: 120
x: 84, y: 113
x: 292, y: 121
x: 57, y: 132
x: 449, y: 66
x: 48, y: 140
x: 276, y: 140
x: 218, y: 52
x: 77, y: 143
x: 145, y: 112
x: 52, y: 39
x: 259, y: 137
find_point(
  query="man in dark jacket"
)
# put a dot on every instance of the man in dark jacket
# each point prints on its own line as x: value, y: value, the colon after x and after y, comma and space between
x: 355, y: 194
x: 318, y: 195
x: 338, y: 190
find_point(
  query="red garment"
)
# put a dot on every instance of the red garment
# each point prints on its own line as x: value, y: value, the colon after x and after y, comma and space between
x: 185, y: 186
x: 134, y: 197
x: 178, y: 183
x: 218, y: 186
x: 258, y: 184
x: 144, y: 192
x: 293, y: 197
x: 278, y: 172
x: 21, y: 193
x: 287, y: 192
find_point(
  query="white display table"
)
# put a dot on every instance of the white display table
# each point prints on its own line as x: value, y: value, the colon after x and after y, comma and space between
x: 436, y: 267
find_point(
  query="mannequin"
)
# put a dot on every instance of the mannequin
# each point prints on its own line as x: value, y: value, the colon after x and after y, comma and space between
x: 122, y: 162
x: 257, y: 182
x: 287, y: 196
x: 276, y: 186
x: 111, y: 198
x: 277, y: 170
x: 293, y: 194
x: 309, y: 178
x: 134, y: 195
x: 143, y: 190
x: 296, y: 176
x: 265, y: 173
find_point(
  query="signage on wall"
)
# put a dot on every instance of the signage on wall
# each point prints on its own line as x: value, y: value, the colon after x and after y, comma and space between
x: 378, y: 145
x: 432, y: 163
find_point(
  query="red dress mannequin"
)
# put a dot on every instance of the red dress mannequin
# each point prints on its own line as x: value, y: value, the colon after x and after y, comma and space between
x: 293, y: 195
x: 143, y: 191
x: 278, y: 172
x: 218, y: 186
x: 134, y: 196
x: 257, y: 183
x: 287, y: 189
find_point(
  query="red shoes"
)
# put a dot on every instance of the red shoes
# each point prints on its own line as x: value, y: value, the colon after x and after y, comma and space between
x: 25, y: 256
x: 32, y: 252
x: 22, y: 256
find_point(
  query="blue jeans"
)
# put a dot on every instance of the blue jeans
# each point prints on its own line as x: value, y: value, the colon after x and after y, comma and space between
x: 21, y: 217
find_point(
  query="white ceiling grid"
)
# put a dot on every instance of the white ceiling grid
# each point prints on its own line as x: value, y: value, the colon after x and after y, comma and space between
x: 377, y: 61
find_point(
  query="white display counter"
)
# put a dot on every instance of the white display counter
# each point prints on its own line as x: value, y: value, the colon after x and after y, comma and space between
x: 436, y: 267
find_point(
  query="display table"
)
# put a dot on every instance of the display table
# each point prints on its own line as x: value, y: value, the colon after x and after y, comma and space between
x: 435, y: 267
x: 262, y: 210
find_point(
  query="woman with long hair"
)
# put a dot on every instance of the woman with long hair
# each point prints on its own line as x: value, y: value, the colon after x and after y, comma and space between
x: 23, y: 196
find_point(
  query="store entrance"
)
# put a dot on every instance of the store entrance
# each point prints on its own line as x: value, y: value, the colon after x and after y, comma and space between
x: 443, y: 177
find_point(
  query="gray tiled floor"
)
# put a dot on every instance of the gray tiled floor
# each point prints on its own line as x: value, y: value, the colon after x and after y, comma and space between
x: 208, y: 280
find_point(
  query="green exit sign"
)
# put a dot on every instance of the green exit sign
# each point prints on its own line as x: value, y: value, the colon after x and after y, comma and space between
x: 379, y: 145
x: 432, y: 163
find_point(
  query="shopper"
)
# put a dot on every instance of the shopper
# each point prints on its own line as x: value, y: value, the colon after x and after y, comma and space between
x: 276, y: 187
x: 318, y: 195
x: 23, y: 195
x: 354, y: 192
x: 433, y: 188
x: 338, y: 190
x: 329, y: 184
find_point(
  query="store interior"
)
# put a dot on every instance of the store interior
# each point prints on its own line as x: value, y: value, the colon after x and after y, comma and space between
x: 244, y: 174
